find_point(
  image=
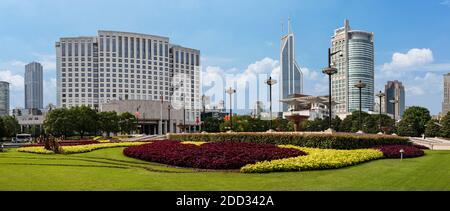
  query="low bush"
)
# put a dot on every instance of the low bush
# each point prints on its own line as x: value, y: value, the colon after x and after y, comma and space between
x: 67, y: 143
x: 80, y: 148
x: 216, y: 155
x: 317, y: 159
x: 323, y: 141
x: 394, y: 151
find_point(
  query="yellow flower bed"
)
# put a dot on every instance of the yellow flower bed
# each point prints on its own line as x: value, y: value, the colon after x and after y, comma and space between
x: 194, y: 143
x: 80, y: 148
x: 316, y: 159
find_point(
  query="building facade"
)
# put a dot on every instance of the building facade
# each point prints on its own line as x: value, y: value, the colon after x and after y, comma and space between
x: 114, y: 65
x: 4, y: 98
x: 34, y: 94
x: 291, y: 77
x: 446, y: 103
x: 395, y: 92
x: 356, y: 64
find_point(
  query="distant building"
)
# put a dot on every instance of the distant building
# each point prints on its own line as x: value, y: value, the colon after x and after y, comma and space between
x: 4, y: 98
x: 446, y: 103
x: 34, y: 97
x: 313, y: 107
x: 395, y: 91
x: 31, y: 120
x: 258, y: 108
x: 291, y: 77
x: 356, y: 64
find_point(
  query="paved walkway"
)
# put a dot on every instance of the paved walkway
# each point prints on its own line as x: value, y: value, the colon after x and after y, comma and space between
x: 432, y: 143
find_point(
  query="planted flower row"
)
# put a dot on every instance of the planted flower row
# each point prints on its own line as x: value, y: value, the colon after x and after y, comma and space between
x: 80, y: 148
x: 217, y: 155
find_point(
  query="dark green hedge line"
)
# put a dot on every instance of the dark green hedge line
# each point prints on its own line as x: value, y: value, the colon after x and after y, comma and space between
x: 323, y: 141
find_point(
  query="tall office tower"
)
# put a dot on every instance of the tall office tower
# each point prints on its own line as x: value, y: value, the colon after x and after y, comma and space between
x: 291, y: 77
x: 395, y: 92
x: 34, y: 98
x: 113, y: 65
x: 356, y: 64
x: 4, y: 98
x: 446, y: 103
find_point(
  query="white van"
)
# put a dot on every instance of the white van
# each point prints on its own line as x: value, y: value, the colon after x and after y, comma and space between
x: 22, y: 138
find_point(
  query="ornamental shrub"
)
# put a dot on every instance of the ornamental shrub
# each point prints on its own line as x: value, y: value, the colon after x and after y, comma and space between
x: 394, y: 151
x: 323, y: 141
x: 216, y: 155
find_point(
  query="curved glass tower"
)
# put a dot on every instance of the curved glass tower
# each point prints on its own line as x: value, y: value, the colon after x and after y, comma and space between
x: 291, y: 77
x: 357, y: 64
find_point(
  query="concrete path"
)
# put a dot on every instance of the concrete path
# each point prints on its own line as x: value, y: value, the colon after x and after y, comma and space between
x: 432, y: 143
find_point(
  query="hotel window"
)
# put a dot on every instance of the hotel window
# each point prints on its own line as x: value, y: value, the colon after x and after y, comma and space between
x: 160, y: 49
x: 126, y: 47
x: 155, y: 49
x: 138, y: 48
x: 114, y: 45
x: 101, y: 43
x: 70, y: 49
x: 144, y: 51
x: 167, y: 50
x: 132, y: 47
x: 149, y: 49
x: 120, y: 46
x: 89, y: 49
x: 83, y: 49
x: 108, y: 44
x: 63, y: 49
x: 182, y: 57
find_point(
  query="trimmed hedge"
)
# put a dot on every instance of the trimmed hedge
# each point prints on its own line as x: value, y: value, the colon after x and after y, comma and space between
x: 322, y: 141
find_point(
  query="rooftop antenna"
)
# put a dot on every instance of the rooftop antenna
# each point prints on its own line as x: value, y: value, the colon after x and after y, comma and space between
x: 289, y: 25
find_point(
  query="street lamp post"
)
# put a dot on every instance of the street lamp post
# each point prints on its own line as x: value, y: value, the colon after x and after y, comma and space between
x: 231, y: 91
x: 271, y: 82
x: 394, y: 101
x: 360, y: 86
x: 330, y: 71
x: 381, y: 95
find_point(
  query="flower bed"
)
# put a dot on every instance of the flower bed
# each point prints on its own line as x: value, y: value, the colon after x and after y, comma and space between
x: 80, y: 148
x: 216, y: 155
x: 312, y: 140
x: 67, y: 143
x: 317, y: 159
x: 394, y: 151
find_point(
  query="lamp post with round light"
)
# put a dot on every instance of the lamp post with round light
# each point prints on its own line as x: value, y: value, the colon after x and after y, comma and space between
x: 271, y: 82
x: 231, y: 91
x: 381, y: 95
x: 360, y: 85
x: 330, y: 71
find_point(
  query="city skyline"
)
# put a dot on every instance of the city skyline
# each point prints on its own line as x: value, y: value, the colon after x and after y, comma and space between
x: 416, y: 54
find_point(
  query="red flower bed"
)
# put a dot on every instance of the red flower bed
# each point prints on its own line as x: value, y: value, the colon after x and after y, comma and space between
x: 394, y: 151
x: 67, y: 143
x: 418, y: 146
x: 217, y: 155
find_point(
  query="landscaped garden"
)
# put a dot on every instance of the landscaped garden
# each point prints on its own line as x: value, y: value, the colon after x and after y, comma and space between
x: 196, y: 162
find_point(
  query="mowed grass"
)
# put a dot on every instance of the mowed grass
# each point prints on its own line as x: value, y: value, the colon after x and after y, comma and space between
x: 109, y: 169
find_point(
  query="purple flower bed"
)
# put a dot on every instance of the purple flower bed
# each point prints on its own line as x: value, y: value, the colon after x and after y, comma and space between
x: 421, y: 147
x: 217, y: 155
x: 394, y: 151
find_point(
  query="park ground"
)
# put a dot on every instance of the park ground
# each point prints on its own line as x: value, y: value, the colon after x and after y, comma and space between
x: 110, y: 170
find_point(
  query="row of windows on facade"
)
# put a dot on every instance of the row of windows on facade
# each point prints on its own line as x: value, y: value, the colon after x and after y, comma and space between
x: 132, y: 66
x: 180, y: 56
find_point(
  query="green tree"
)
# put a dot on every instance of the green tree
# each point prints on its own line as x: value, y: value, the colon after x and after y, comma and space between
x: 10, y: 126
x: 283, y: 125
x: 445, y: 130
x: 432, y: 129
x: 415, y: 117
x: 59, y: 122
x: 212, y: 124
x: 127, y: 123
x: 108, y: 122
x: 85, y: 120
x: 351, y: 123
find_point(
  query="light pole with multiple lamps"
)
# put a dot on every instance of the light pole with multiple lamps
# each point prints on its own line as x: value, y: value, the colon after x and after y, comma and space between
x: 271, y: 82
x: 381, y: 95
x: 360, y: 86
x: 231, y: 91
x: 330, y: 71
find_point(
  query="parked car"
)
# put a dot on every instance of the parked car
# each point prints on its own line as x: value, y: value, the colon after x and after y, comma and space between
x: 22, y: 138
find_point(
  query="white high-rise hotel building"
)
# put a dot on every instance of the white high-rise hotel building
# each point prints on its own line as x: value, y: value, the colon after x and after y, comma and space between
x: 124, y: 66
x: 357, y: 63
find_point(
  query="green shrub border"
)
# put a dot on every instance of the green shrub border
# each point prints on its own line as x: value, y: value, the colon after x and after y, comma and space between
x: 323, y: 141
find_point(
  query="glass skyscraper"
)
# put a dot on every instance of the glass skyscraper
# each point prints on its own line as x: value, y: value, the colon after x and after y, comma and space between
x: 291, y: 77
x: 395, y: 91
x: 356, y: 64
x: 34, y: 98
x: 4, y: 98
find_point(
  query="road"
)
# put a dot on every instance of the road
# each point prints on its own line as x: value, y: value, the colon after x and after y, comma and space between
x: 432, y: 143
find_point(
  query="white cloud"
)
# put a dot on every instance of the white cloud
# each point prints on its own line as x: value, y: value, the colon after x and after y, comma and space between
x: 48, y: 61
x: 49, y: 88
x: 309, y: 74
x: 446, y: 3
x: 414, y: 58
x: 16, y: 81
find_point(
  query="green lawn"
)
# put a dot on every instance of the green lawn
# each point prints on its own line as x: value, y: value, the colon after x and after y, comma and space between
x: 108, y: 169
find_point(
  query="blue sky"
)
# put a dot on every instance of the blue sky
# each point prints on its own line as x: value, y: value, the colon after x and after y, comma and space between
x: 412, y: 37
